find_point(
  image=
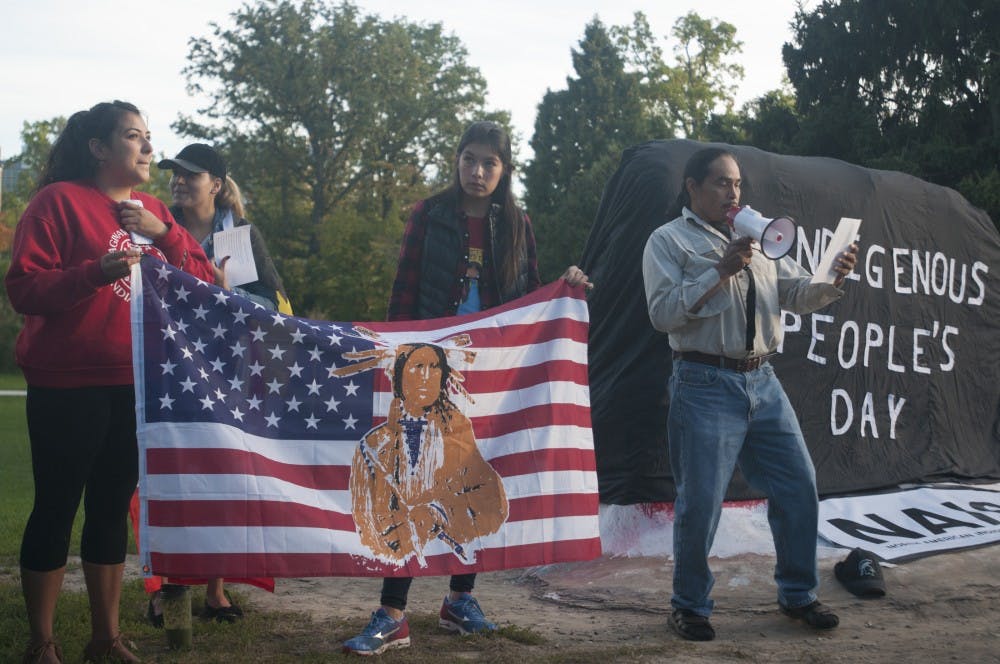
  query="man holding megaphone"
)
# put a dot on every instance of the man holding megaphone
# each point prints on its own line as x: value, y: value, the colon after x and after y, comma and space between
x: 776, y: 236
x: 716, y: 279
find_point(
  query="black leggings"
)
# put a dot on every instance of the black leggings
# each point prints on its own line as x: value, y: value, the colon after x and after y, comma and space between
x: 396, y: 588
x: 81, y: 438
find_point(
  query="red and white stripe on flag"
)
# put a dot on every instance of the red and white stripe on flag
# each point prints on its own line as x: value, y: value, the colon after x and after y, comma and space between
x: 239, y: 477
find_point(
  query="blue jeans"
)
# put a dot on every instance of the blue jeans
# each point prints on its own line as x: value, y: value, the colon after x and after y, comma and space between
x: 719, y: 418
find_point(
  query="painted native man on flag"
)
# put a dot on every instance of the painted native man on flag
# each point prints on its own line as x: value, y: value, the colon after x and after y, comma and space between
x: 420, y: 476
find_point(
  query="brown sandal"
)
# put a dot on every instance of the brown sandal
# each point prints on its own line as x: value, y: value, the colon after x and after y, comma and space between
x: 108, y: 650
x: 35, y: 654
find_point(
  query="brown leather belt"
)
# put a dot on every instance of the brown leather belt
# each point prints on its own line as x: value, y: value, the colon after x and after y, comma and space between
x: 744, y: 365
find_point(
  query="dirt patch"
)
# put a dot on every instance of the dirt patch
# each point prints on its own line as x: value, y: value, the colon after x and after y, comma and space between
x: 941, y: 608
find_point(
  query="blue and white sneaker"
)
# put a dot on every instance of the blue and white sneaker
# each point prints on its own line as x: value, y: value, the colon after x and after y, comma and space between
x: 464, y: 616
x: 381, y: 634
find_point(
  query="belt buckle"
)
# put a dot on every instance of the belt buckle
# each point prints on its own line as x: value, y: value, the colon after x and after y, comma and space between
x: 748, y: 364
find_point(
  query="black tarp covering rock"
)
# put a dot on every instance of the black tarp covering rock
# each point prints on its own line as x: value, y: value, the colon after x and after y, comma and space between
x: 899, y: 381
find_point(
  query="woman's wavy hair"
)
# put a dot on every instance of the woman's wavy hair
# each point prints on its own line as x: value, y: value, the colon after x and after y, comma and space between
x: 697, y: 167
x: 229, y: 196
x: 70, y: 157
x: 495, y: 136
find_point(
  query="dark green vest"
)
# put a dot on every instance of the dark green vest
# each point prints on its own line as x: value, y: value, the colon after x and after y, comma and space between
x: 444, y: 258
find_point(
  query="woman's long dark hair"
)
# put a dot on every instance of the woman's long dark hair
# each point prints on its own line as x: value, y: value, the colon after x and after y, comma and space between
x: 697, y: 167
x: 493, y: 135
x: 70, y: 157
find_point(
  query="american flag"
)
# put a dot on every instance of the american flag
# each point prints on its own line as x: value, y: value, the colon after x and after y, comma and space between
x: 247, y: 431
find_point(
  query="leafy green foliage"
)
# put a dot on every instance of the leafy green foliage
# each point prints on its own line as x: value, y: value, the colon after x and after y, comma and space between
x: 693, y: 92
x: 623, y: 93
x: 909, y: 85
x: 769, y: 122
x: 700, y: 83
x: 10, y: 322
x: 331, y: 120
x: 158, y: 184
x: 37, y: 138
x: 983, y: 190
x: 600, y: 112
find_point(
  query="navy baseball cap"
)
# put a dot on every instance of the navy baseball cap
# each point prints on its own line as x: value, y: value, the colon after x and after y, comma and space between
x: 197, y: 158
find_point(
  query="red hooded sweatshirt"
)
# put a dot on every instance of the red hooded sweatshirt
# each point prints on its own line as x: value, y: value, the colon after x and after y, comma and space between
x: 76, y: 328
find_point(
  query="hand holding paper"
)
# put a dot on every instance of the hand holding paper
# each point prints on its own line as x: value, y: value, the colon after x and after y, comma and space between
x: 843, y: 238
x: 137, y: 238
x: 234, y: 243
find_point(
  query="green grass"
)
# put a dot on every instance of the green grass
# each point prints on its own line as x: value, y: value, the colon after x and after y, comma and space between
x: 11, y: 382
x: 287, y: 638
x: 16, y: 485
x: 16, y: 495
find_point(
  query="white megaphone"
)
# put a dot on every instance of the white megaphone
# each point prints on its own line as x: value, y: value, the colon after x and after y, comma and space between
x: 776, y: 236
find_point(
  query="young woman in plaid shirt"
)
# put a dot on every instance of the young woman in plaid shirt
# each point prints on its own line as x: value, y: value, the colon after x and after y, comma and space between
x: 466, y: 249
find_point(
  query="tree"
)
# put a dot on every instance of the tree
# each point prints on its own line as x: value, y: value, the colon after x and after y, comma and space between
x: 601, y: 111
x: 697, y: 90
x: 769, y: 122
x: 623, y: 93
x: 911, y: 85
x: 159, y: 182
x: 37, y: 138
x: 701, y: 83
x: 321, y: 111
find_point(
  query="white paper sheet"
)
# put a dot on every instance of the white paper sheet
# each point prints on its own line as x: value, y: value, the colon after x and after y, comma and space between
x: 137, y: 238
x: 235, y: 243
x: 847, y: 231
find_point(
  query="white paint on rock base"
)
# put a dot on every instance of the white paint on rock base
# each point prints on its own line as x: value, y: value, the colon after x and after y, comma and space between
x: 646, y: 529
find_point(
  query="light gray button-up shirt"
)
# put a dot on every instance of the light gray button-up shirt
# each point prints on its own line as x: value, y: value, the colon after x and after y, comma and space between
x: 678, y: 267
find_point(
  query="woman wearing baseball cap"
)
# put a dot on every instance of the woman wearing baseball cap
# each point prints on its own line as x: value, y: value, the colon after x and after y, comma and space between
x: 205, y: 201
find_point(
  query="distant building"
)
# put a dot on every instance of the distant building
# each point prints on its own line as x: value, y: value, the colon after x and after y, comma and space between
x: 10, y: 174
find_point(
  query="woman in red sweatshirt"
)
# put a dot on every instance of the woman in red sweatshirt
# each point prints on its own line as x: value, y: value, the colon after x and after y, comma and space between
x: 69, y: 275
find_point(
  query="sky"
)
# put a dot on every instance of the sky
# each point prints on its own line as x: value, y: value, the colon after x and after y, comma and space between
x: 59, y: 57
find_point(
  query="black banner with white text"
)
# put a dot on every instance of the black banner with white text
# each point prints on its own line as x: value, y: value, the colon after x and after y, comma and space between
x: 897, y: 382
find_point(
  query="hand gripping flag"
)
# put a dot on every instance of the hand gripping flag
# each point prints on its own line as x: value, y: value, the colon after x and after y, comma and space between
x: 272, y: 445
